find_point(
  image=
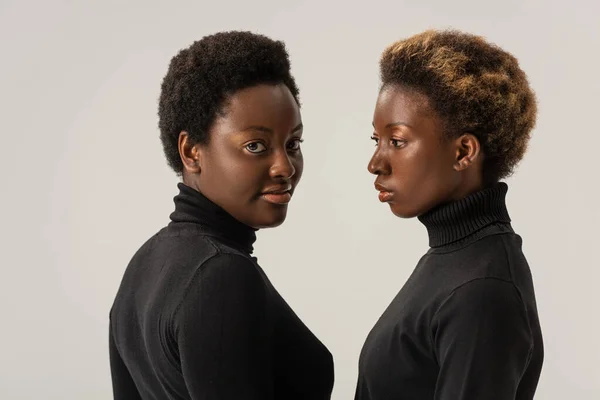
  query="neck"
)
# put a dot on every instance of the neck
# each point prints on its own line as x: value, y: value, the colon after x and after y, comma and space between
x: 458, y: 219
x: 471, y: 183
x: 193, y: 207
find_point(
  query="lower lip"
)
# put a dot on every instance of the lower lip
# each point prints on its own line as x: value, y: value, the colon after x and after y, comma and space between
x: 385, y: 196
x: 278, y: 198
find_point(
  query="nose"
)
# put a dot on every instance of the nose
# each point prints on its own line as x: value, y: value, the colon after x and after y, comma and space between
x: 282, y: 166
x: 379, y: 165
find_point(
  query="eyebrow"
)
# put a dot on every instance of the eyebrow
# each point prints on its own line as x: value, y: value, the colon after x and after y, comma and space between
x: 392, y: 124
x: 270, y: 131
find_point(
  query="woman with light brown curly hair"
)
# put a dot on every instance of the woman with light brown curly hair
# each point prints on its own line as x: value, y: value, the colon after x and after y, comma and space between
x: 452, y: 119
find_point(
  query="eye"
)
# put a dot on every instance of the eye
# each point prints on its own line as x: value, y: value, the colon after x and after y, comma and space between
x: 256, y: 147
x: 375, y: 139
x: 294, y: 144
x: 397, y: 142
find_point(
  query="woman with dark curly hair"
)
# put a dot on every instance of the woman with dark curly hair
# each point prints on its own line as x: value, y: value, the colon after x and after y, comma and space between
x: 195, y: 317
x: 453, y: 117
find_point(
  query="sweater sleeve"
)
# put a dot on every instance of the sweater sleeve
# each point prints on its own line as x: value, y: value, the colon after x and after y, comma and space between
x: 482, y: 342
x: 123, y: 386
x: 223, y: 332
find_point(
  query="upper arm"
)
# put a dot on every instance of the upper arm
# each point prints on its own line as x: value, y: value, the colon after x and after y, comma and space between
x: 223, y: 331
x: 482, y: 341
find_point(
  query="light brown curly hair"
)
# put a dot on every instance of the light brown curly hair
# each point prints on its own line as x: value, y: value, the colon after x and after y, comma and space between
x: 474, y: 86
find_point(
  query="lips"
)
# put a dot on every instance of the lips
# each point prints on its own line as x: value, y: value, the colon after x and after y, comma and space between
x: 385, y: 194
x: 280, y: 195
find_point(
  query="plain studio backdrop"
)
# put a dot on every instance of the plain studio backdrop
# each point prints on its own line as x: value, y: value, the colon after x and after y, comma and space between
x: 85, y: 183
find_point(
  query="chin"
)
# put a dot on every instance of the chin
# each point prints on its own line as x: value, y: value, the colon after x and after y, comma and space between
x: 271, y: 220
x: 402, y: 212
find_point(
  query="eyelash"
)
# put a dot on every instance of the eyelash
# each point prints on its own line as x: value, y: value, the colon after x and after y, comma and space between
x: 395, y: 142
x: 294, y: 150
x: 247, y: 147
x: 299, y: 141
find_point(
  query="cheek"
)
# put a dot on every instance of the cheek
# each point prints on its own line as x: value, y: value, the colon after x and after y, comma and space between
x: 246, y: 179
x: 237, y: 176
x: 410, y: 166
x: 427, y: 162
x: 419, y: 174
x: 432, y: 181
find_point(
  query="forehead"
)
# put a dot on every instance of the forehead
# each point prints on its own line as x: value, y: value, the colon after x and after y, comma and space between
x: 403, y: 106
x: 272, y: 106
x: 403, y: 103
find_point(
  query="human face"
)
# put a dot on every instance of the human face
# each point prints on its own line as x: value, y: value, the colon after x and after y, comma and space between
x: 414, y: 163
x: 252, y: 161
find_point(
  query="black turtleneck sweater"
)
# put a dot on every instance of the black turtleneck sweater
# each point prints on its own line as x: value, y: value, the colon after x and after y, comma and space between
x: 195, y: 317
x: 465, y: 325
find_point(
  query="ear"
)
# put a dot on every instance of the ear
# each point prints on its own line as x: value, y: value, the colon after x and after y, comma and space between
x: 189, y: 153
x: 468, y: 151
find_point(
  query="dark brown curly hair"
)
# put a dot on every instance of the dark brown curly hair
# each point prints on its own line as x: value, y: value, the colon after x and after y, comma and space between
x: 474, y: 86
x: 202, y: 77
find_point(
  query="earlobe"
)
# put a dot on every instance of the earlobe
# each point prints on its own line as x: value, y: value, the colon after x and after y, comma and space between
x: 190, y: 156
x: 462, y: 164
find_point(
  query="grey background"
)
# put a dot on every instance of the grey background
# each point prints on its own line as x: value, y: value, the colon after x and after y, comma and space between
x: 84, y: 181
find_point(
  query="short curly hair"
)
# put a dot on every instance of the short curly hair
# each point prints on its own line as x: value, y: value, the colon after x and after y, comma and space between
x: 474, y: 86
x: 202, y: 77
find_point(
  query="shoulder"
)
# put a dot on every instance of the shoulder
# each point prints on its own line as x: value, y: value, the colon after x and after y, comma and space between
x: 228, y: 264
x: 492, y: 257
x: 483, y: 299
x: 225, y: 283
x: 225, y: 273
x: 193, y: 239
x: 488, y: 288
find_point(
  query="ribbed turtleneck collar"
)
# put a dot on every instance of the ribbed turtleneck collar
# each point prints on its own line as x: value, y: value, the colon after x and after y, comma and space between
x: 193, y: 207
x: 454, y: 221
